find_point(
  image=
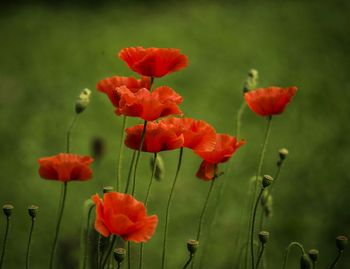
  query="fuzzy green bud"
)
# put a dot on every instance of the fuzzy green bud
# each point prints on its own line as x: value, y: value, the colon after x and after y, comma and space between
x: 267, y: 181
x: 7, y: 209
x: 33, y: 210
x: 160, y: 168
x: 251, y: 80
x: 341, y: 242
x: 82, y: 101
x: 313, y: 254
x: 264, y: 237
x: 119, y: 254
x: 305, y: 262
x: 192, y: 246
x: 107, y: 189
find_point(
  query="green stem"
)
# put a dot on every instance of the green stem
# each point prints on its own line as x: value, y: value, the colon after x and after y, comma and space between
x: 85, y: 245
x: 146, y: 202
x: 297, y: 244
x: 5, y: 241
x: 109, y: 251
x: 120, y: 157
x: 129, y: 255
x: 337, y: 258
x: 29, y: 241
x: 260, y: 256
x: 188, y: 261
x: 252, y: 227
x: 130, y: 172
x: 118, y: 265
x: 138, y: 157
x: 58, y: 225
x: 168, y: 208
x: 239, y: 118
x: 70, y: 131
x: 99, y: 251
x: 313, y: 265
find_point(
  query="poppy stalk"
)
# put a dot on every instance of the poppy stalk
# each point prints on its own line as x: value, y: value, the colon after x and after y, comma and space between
x: 168, y: 208
x: 286, y: 253
x: 7, y: 209
x: 88, y: 207
x: 32, y: 210
x: 120, y: 157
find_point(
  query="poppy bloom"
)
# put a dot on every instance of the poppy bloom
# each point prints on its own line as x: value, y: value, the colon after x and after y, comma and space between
x: 65, y: 167
x: 158, y: 137
x: 121, y: 214
x: 153, y: 62
x: 269, y: 101
x: 147, y: 105
x: 225, y: 146
x: 109, y: 85
x: 198, y: 135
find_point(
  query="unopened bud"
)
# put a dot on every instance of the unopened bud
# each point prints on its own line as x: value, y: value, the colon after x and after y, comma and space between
x: 107, y: 189
x: 267, y: 181
x: 305, y: 262
x: 264, y: 237
x: 7, y: 210
x: 97, y: 147
x: 82, y: 101
x: 192, y: 246
x: 283, y: 153
x: 119, y: 254
x: 33, y: 210
x: 160, y: 168
x: 341, y: 242
x: 313, y: 254
x: 251, y: 80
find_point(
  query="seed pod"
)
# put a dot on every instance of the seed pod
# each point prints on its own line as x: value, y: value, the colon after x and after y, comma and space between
x: 283, y: 153
x: 119, y: 254
x: 264, y: 237
x: 313, y: 254
x: 305, y: 262
x: 33, y: 210
x: 192, y: 246
x: 267, y: 181
x: 107, y: 189
x: 341, y: 242
x: 7, y: 209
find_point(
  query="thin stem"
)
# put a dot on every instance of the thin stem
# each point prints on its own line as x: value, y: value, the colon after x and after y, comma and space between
x: 129, y: 255
x: 58, y: 225
x: 138, y: 156
x: 70, y: 131
x: 118, y: 266
x: 5, y: 241
x: 337, y: 258
x: 313, y: 265
x: 86, y: 237
x: 99, y: 251
x: 239, y: 119
x: 252, y: 227
x: 260, y: 256
x: 109, y: 251
x: 130, y: 172
x: 146, y: 202
x: 297, y: 244
x: 188, y: 261
x: 120, y: 157
x: 168, y: 208
x: 29, y: 242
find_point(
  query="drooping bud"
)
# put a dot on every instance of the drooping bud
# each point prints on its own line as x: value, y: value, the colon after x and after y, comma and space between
x: 192, y: 246
x: 283, y: 153
x: 82, y: 101
x: 305, y: 262
x: 32, y: 211
x: 97, y: 147
x: 264, y: 237
x: 251, y: 80
x: 313, y: 254
x: 341, y: 242
x: 107, y: 189
x: 267, y: 181
x: 160, y: 168
x: 7, y: 209
x: 119, y: 254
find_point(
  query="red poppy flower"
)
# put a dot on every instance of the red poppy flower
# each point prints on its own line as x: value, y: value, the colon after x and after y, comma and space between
x: 269, y: 101
x: 109, y: 85
x: 158, y: 137
x: 198, y: 135
x: 65, y: 167
x: 225, y: 146
x: 121, y: 214
x: 147, y: 105
x: 153, y: 62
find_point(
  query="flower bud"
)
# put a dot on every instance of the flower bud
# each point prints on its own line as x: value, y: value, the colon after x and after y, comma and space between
x: 119, y: 254
x: 192, y: 246
x: 313, y: 254
x: 33, y: 210
x: 251, y: 80
x: 305, y: 262
x: 264, y: 237
x: 283, y: 153
x: 267, y: 181
x: 107, y: 189
x: 82, y: 101
x: 341, y: 242
x: 160, y: 168
x: 97, y: 147
x: 7, y: 210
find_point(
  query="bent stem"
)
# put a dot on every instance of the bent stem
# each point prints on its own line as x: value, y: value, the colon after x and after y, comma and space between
x: 168, y: 208
x: 70, y: 131
x: 260, y: 256
x: 130, y: 172
x: 146, y: 202
x: 109, y: 251
x: 5, y: 241
x: 337, y: 258
x: 29, y: 242
x: 58, y: 225
x: 85, y: 234
x: 120, y: 157
x: 138, y: 157
x: 286, y: 253
x: 188, y: 261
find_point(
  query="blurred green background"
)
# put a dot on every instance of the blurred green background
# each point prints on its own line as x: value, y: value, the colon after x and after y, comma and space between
x: 49, y: 52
